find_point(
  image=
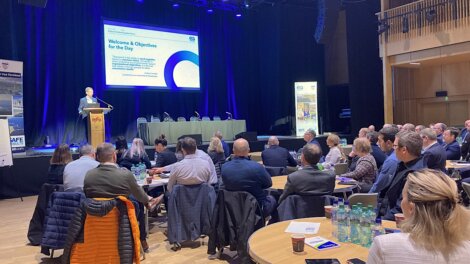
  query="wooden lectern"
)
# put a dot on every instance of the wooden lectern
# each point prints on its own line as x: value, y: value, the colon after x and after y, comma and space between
x: 96, y: 126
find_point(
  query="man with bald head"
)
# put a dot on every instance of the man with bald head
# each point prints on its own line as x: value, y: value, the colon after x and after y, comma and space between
x: 243, y: 174
x: 276, y: 156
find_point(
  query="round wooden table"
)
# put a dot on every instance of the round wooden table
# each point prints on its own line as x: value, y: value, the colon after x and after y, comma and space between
x: 271, y: 244
x: 280, y: 181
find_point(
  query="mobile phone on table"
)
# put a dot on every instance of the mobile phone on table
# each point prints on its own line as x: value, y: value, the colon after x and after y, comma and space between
x: 322, y: 261
x: 356, y: 261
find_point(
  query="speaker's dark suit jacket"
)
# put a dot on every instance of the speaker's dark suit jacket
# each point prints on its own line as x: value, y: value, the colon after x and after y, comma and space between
x: 83, y: 104
x: 435, y: 157
x: 452, y: 150
x: 276, y: 156
x: 309, y: 181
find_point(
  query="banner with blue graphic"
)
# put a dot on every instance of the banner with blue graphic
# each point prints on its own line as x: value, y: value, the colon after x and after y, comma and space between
x: 11, y: 102
x: 306, y: 109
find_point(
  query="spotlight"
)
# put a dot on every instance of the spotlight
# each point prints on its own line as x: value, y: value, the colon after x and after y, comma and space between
x: 405, y: 24
x: 176, y: 5
x: 140, y: 1
x: 238, y: 15
x: 210, y: 10
x: 431, y: 15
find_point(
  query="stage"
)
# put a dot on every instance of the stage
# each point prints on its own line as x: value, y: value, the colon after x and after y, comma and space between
x: 29, y: 170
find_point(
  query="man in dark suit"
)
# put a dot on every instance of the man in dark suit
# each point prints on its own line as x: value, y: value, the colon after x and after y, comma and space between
x: 88, y: 99
x: 451, y: 145
x: 407, y: 147
x: 439, y: 129
x: 276, y: 156
x: 310, y: 180
x: 434, y: 154
x: 465, y: 131
x: 164, y: 156
x: 377, y: 153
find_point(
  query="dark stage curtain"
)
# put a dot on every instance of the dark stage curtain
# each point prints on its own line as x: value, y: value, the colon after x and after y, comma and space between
x: 248, y: 66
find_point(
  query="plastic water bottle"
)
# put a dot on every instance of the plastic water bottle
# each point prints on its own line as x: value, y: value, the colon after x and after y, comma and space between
x: 134, y: 171
x: 365, y: 227
x: 377, y: 229
x: 334, y: 219
x: 142, y: 172
x: 342, y: 224
x: 354, y: 220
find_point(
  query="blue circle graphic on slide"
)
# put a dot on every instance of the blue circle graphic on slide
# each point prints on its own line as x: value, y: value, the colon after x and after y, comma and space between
x: 171, y: 63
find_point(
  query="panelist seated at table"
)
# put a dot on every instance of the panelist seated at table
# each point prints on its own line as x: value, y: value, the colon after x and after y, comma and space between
x: 163, y: 155
x: 436, y: 228
x: 243, y: 174
x: 276, y: 156
x: 310, y: 180
x: 135, y: 155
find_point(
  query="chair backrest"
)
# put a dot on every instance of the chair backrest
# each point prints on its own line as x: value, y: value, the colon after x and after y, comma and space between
x: 216, y: 118
x: 154, y: 119
x: 275, y: 171
x: 194, y: 118
x: 301, y: 206
x: 466, y: 188
x: 189, y: 212
x: 364, y: 198
x: 341, y: 168
x: 141, y: 120
x: 206, y: 118
x: 181, y: 119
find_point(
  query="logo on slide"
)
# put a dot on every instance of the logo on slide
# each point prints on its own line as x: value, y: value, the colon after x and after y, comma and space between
x: 173, y: 61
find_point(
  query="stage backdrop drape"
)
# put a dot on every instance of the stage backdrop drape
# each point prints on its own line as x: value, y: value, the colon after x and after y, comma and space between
x: 248, y: 65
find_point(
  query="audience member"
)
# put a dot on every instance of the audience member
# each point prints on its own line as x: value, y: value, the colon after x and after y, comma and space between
x: 439, y: 128
x: 386, y: 172
x: 192, y: 170
x: 135, y: 155
x: 399, y: 127
x: 178, y: 151
x: 121, y: 147
x: 60, y: 158
x: 164, y: 156
x: 216, y: 150
x: 110, y: 181
x: 371, y: 128
x: 366, y: 168
x: 310, y: 180
x: 224, y: 144
x: 377, y: 153
x: 434, y: 154
x: 419, y: 128
x: 243, y: 174
x: 451, y: 146
x: 436, y: 228
x: 465, y: 131
x: 362, y: 132
x: 409, y: 127
x: 276, y: 156
x: 309, y: 137
x: 335, y: 155
x: 75, y: 171
x: 407, y: 147
x: 387, y: 125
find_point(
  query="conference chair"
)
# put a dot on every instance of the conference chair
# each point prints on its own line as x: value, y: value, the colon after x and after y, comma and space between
x: 103, y: 231
x: 341, y: 168
x: 301, y: 206
x: 189, y: 213
x: 181, y: 119
x: 154, y: 119
x: 206, y: 118
x: 275, y: 171
x: 364, y: 198
x: 60, y: 211
x: 236, y: 216
x: 216, y: 118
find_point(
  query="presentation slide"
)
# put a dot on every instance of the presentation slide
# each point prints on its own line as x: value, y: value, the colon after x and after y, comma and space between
x: 154, y: 58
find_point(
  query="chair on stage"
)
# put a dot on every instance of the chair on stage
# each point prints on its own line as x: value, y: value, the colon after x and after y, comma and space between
x: 193, y: 118
x: 181, y: 119
x: 364, y: 198
x: 103, y: 231
x: 236, y: 216
x: 302, y: 206
x: 154, y: 118
x: 275, y: 171
x: 60, y: 211
x: 189, y: 213
x: 206, y: 118
x: 216, y: 118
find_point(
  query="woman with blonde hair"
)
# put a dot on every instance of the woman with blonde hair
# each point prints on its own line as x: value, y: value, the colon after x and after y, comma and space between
x: 436, y: 228
x: 216, y: 150
x: 135, y: 155
x: 60, y: 158
x: 335, y: 155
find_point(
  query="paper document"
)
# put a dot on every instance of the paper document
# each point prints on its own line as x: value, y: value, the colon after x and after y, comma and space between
x: 320, y: 243
x: 303, y: 227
